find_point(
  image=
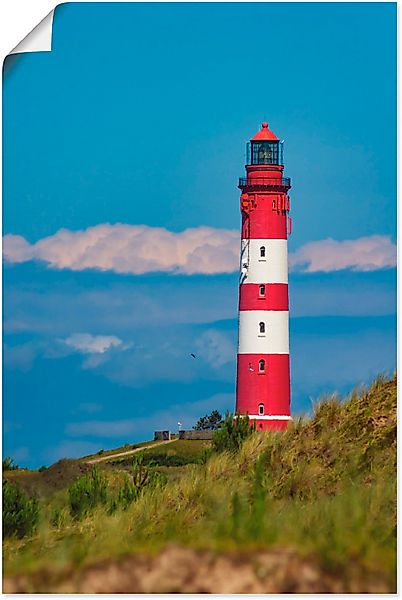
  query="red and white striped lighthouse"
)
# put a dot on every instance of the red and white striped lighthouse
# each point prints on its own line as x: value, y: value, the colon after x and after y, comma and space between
x: 263, y: 377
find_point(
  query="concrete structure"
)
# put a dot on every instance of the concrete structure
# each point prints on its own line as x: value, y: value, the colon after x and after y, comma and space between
x: 263, y: 377
x: 162, y: 435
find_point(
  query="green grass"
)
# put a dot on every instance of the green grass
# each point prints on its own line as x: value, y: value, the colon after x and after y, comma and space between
x: 177, y: 453
x: 125, y: 448
x: 326, y: 486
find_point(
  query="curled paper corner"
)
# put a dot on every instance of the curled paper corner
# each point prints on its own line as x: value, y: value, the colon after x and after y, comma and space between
x: 39, y: 39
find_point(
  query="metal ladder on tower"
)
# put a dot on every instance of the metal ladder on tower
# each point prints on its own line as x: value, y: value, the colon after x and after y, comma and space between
x: 245, y: 251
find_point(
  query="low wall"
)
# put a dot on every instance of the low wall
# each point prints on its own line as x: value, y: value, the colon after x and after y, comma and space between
x: 192, y: 434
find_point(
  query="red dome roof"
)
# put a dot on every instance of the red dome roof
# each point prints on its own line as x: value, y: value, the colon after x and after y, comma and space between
x: 264, y: 134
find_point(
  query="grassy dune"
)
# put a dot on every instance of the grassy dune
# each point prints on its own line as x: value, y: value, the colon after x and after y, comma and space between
x: 323, y: 491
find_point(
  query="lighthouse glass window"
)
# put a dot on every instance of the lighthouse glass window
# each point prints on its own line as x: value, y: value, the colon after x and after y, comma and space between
x: 265, y: 153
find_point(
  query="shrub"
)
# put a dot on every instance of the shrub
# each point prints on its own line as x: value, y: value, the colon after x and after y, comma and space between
x: 232, y: 433
x: 86, y: 493
x: 127, y: 494
x: 144, y: 474
x: 9, y: 464
x: 20, y: 514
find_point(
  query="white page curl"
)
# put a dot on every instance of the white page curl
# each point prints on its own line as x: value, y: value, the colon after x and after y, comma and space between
x: 39, y: 39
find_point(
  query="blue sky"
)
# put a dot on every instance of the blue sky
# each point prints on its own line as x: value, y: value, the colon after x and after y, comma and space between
x: 129, y: 136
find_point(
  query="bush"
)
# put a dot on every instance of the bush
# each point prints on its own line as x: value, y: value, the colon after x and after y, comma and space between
x: 9, y: 464
x: 142, y: 475
x: 20, y: 514
x: 127, y: 494
x: 87, y: 493
x: 232, y: 433
x: 145, y: 474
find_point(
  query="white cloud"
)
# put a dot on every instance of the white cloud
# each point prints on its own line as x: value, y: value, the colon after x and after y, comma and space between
x: 134, y: 249
x: 92, y: 344
x: 138, y: 249
x: 369, y: 253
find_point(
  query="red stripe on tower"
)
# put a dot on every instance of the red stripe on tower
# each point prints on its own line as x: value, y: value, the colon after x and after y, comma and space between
x: 263, y: 376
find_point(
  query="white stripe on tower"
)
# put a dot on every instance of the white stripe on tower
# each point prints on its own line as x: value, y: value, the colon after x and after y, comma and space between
x: 270, y: 268
x: 274, y: 337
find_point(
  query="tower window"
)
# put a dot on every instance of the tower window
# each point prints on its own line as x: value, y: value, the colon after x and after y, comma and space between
x: 261, y: 366
x: 262, y: 252
x: 260, y: 409
x: 264, y: 155
x: 262, y: 290
x: 262, y: 327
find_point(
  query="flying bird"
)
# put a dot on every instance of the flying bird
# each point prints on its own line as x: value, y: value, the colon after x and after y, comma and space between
x: 193, y: 355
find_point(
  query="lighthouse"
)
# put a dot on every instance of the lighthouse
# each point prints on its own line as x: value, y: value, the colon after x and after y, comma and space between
x: 263, y: 373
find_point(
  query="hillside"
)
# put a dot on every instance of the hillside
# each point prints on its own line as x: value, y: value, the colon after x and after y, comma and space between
x: 309, y: 510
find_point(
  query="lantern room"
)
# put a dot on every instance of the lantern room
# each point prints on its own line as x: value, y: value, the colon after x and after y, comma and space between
x: 264, y: 148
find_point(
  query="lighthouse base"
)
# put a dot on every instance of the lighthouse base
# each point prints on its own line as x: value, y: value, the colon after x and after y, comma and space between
x: 271, y: 425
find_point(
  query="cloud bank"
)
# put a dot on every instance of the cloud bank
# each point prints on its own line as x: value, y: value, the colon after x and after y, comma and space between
x: 369, y: 253
x: 132, y: 249
x: 139, y: 249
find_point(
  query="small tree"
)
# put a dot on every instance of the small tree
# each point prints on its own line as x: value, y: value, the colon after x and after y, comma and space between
x: 127, y: 494
x: 142, y: 475
x: 86, y: 493
x: 212, y: 421
x: 232, y: 433
x: 20, y: 514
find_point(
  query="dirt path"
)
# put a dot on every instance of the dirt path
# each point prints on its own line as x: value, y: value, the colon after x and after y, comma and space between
x: 127, y: 452
x: 183, y: 570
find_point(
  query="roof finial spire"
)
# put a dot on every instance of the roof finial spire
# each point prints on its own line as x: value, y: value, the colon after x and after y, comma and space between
x: 265, y: 133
